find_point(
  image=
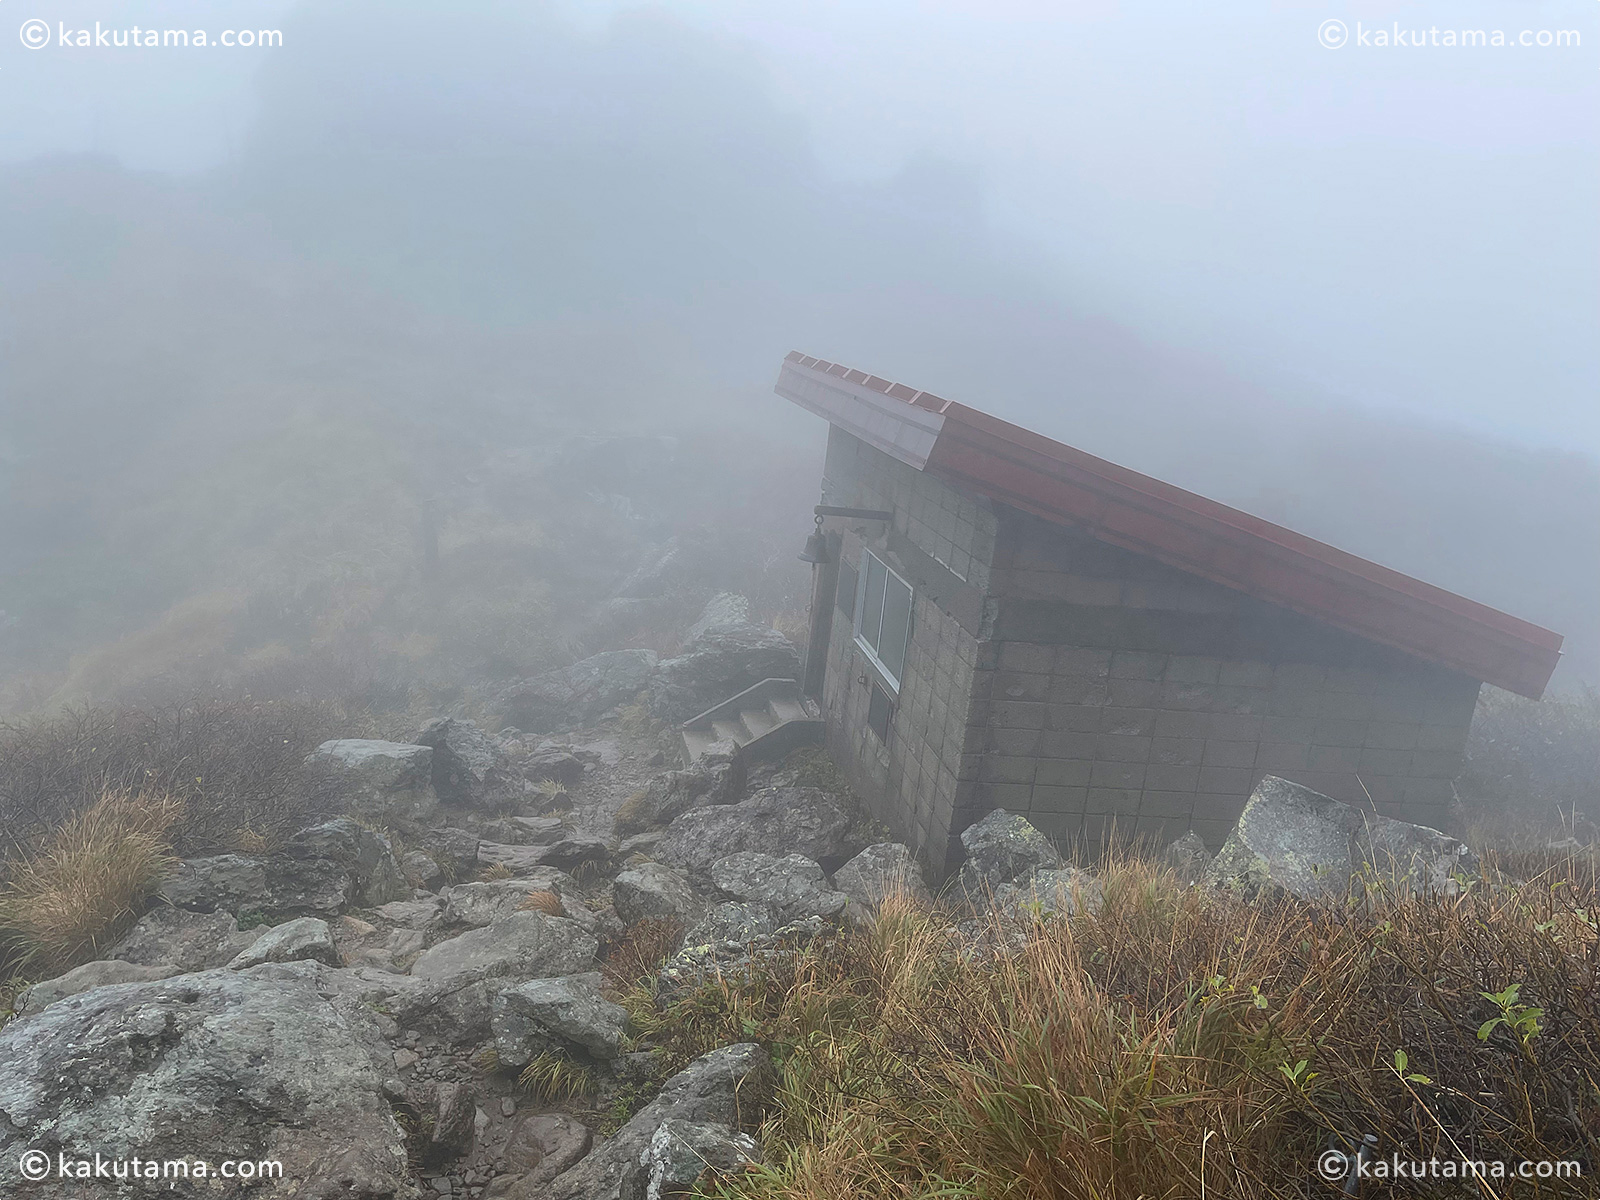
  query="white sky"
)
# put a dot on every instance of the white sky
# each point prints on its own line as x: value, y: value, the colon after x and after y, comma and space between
x: 1406, y: 226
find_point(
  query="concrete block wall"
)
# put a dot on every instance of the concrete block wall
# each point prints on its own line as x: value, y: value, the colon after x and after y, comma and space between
x: 942, y: 541
x: 1118, y: 692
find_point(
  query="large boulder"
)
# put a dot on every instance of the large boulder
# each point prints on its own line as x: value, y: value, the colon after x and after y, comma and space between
x: 320, y: 870
x: 721, y: 662
x: 801, y: 820
x: 566, y: 1015
x: 101, y: 973
x: 654, y: 889
x: 480, y: 904
x: 1002, y: 848
x: 577, y: 695
x: 882, y: 870
x: 188, y: 941
x: 714, y: 779
x: 244, y: 1065
x: 792, y: 886
x: 525, y: 945
x: 681, y: 1153
x: 469, y: 768
x: 1290, y: 839
x: 1064, y: 892
x: 1188, y: 857
x: 379, y: 777
x: 543, y: 1145
x: 726, y: 1087
x: 301, y: 938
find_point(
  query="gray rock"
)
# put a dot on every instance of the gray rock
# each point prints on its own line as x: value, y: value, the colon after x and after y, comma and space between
x: 1294, y: 840
x: 653, y: 889
x: 563, y: 1015
x: 412, y: 914
x: 726, y: 1087
x: 455, y: 850
x: 380, y: 777
x: 526, y: 945
x: 453, y: 1120
x: 807, y: 821
x: 1188, y: 857
x: 1064, y: 892
x: 720, y: 663
x: 524, y: 831
x: 792, y: 887
x: 301, y: 938
x: 256, y: 1064
x: 469, y: 768
x: 543, y: 1145
x: 580, y: 694
x: 735, y: 923
x: 681, y: 1152
x: 189, y: 941
x: 725, y: 610
x: 714, y: 779
x: 881, y: 870
x: 1001, y: 848
x: 420, y: 870
x: 478, y: 904
x: 321, y: 870
x: 575, y: 848
x: 101, y: 973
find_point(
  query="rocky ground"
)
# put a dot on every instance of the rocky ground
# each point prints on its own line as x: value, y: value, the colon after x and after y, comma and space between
x: 364, y: 1002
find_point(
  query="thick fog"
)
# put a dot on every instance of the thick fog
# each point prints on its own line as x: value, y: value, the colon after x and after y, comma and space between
x: 264, y: 313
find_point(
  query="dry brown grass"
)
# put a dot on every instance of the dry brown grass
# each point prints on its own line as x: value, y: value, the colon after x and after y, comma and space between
x: 88, y: 882
x: 546, y: 902
x: 1178, y: 1044
x: 639, y: 953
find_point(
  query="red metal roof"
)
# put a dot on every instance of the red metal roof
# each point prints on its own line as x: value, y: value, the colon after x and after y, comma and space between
x: 1029, y: 471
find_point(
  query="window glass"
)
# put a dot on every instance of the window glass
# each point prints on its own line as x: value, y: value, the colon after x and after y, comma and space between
x: 896, y: 624
x: 872, y: 607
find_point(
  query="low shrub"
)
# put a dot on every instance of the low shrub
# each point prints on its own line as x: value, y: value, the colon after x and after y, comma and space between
x: 1177, y: 1044
x: 88, y: 882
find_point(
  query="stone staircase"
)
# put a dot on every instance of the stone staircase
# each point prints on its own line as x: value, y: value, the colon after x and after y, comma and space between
x: 765, y: 722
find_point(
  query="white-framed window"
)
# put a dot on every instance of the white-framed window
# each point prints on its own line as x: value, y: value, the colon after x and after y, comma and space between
x: 883, y: 617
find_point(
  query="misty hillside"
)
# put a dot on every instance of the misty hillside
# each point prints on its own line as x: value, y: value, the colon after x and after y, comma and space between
x: 237, y: 404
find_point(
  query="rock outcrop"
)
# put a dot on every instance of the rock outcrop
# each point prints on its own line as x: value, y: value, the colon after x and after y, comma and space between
x: 803, y: 820
x: 721, y: 662
x: 1002, y: 848
x: 469, y: 768
x: 580, y: 694
x: 565, y: 1015
x: 380, y: 777
x: 882, y: 870
x: 714, y: 779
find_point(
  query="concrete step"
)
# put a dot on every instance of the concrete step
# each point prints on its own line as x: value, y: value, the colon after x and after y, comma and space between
x: 758, y: 721
x: 731, y: 730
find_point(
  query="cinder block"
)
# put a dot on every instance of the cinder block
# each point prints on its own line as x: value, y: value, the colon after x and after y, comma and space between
x: 1117, y: 775
x: 1359, y: 680
x: 1211, y: 806
x: 1119, y: 748
x: 1063, y: 772
x: 1094, y: 593
x: 1113, y: 800
x: 1334, y: 758
x: 1188, y: 697
x: 1015, y: 686
x: 1132, y: 693
x: 1347, y: 706
x: 1214, y: 832
x: 1392, y: 735
x: 1183, y: 724
x: 1137, y: 722
x: 1452, y: 705
x: 1137, y: 664
x: 1088, y: 661
x: 1074, y: 718
x: 1434, y: 764
x: 1442, y: 737
x: 1427, y: 791
x: 1382, y: 790
x: 1246, y: 674
x: 1219, y: 753
x: 1225, y: 779
x: 1175, y: 751
x: 1235, y: 727
x: 1058, y: 799
x: 1013, y: 797
x: 1170, y: 778
x: 1300, y: 677
x: 998, y: 768
x: 1016, y: 714
x: 1184, y: 669
x: 1077, y: 689
x: 1027, y: 657
x: 1334, y: 732
x: 1159, y: 832
x: 1276, y: 757
x: 1055, y: 744
x: 1294, y: 703
x: 1387, y: 762
x: 1288, y: 729
x: 1166, y: 804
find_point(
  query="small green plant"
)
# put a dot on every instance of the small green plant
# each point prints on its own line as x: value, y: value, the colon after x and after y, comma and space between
x: 1402, y: 1068
x: 252, y: 918
x: 1521, y: 1019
